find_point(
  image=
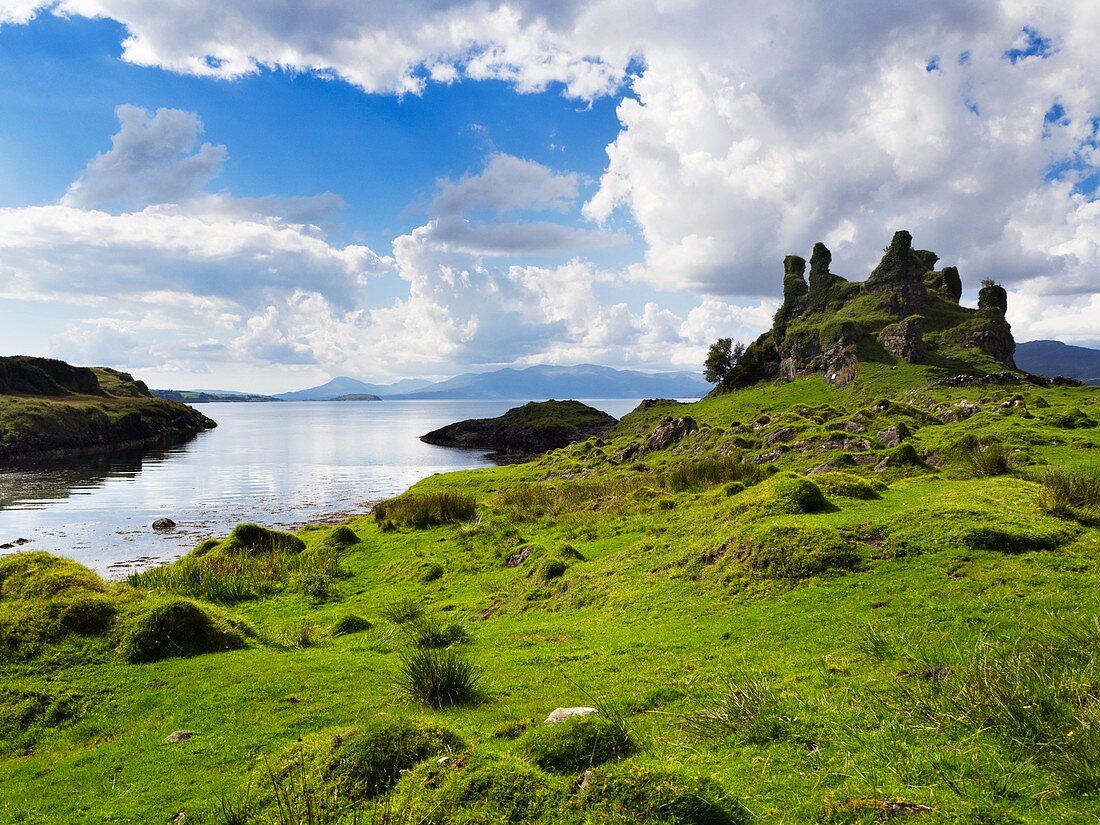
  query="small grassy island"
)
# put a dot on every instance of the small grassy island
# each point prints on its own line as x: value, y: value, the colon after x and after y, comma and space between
x: 48, y: 406
x: 858, y: 582
x: 534, y: 428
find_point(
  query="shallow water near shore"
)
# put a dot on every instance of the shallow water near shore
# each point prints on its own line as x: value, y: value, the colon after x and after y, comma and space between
x: 282, y: 465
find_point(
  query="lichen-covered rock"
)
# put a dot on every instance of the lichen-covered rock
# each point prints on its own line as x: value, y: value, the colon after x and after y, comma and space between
x: 670, y: 431
x: 905, y: 339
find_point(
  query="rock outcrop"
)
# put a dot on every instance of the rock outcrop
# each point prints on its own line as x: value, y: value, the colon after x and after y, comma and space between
x: 906, y: 311
x: 528, y: 430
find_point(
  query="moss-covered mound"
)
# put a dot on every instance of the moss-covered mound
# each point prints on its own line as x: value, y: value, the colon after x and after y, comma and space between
x: 643, y: 793
x: 576, y: 744
x: 370, y: 761
x: 256, y: 540
x: 178, y: 627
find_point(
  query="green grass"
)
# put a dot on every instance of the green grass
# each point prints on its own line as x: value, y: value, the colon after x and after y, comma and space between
x: 784, y: 647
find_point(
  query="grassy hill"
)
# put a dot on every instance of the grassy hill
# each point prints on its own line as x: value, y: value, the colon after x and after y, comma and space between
x: 48, y: 406
x: 789, y: 603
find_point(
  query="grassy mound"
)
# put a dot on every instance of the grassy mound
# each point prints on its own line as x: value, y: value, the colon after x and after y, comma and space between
x: 847, y: 485
x: 254, y: 540
x: 350, y: 623
x: 486, y: 788
x: 795, y: 551
x: 371, y: 760
x: 177, y: 628
x: 39, y: 575
x: 783, y: 494
x: 643, y: 793
x: 576, y: 744
x: 341, y: 538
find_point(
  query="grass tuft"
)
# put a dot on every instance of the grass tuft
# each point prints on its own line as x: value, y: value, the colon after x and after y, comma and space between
x: 1071, y: 493
x: 420, y: 510
x: 438, y: 677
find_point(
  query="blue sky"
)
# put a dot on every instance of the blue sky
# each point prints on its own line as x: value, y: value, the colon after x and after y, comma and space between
x: 208, y: 197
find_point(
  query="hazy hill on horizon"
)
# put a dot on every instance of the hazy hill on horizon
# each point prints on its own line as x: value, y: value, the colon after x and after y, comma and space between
x: 1053, y: 358
x: 543, y: 381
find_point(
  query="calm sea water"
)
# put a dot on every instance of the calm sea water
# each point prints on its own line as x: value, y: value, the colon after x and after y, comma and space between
x: 277, y: 464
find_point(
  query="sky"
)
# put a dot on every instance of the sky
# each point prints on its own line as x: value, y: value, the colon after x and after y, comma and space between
x: 262, y: 194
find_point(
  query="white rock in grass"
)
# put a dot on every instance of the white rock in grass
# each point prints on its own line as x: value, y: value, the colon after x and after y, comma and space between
x: 561, y: 714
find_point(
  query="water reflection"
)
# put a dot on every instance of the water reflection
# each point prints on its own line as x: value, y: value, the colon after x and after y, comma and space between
x: 277, y: 464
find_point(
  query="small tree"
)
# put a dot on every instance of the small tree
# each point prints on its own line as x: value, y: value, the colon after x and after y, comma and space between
x: 722, y: 358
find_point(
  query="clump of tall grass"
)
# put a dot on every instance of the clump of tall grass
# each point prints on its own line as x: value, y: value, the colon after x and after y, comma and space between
x: 1071, y: 492
x: 438, y: 677
x: 990, y: 460
x: 427, y: 631
x: 420, y: 510
x: 529, y: 501
x: 743, y: 706
x: 403, y: 610
x: 228, y: 577
x: 709, y: 472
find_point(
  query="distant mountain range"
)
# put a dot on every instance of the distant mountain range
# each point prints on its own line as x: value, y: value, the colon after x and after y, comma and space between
x: 343, y: 385
x: 1053, y: 358
x: 583, y: 381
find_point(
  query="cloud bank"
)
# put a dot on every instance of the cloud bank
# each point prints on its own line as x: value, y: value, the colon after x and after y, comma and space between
x: 748, y: 130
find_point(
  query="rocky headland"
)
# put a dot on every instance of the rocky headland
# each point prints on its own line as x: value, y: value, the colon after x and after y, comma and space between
x: 51, y: 407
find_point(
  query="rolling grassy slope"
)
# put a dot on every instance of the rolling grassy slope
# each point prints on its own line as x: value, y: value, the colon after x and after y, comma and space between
x: 822, y: 604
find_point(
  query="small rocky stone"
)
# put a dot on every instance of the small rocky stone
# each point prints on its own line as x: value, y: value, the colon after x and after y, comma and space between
x: 764, y: 458
x: 632, y: 452
x: 517, y: 558
x: 178, y: 736
x: 22, y: 541
x: 561, y: 714
x: 163, y: 524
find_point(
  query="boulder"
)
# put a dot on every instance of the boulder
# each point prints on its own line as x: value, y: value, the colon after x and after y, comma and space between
x: 164, y: 524
x: 178, y: 736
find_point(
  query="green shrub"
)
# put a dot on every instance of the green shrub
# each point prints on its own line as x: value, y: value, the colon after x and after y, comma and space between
x: 990, y: 460
x: 370, y: 761
x: 645, y: 793
x: 350, y: 623
x: 576, y: 744
x: 710, y: 472
x: 438, y: 677
x: 789, y: 551
x: 420, y: 510
x: 1072, y: 493
x: 254, y: 540
x: 176, y: 628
